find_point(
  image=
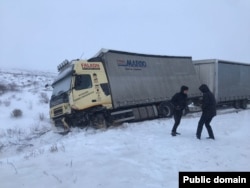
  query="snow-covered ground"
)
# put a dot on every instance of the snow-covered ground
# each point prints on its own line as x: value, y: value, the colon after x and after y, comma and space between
x: 135, y: 155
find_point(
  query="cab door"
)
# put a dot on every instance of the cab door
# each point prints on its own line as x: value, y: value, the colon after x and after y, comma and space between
x: 84, y: 95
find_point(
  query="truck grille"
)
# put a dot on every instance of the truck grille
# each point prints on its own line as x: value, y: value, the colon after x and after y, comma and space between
x: 58, y: 111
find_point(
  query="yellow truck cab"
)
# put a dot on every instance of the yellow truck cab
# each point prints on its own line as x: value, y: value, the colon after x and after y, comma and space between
x: 79, y: 85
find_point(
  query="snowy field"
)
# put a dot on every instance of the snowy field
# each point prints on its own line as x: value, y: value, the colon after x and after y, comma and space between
x: 134, y: 155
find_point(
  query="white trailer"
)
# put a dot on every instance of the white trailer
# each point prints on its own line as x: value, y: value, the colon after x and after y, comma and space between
x: 228, y: 80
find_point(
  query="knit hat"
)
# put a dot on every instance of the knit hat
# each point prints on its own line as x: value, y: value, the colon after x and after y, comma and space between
x: 184, y: 88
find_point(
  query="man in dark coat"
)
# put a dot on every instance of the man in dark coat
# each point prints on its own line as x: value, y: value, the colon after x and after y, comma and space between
x: 179, y: 101
x: 208, y: 111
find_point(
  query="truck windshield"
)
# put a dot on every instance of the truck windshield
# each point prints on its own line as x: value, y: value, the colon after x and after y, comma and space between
x: 62, y: 85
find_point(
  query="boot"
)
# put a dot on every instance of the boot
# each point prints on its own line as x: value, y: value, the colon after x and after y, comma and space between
x: 198, y: 137
x: 211, y: 138
x: 173, y: 133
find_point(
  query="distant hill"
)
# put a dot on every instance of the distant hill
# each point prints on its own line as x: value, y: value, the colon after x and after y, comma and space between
x: 18, y: 79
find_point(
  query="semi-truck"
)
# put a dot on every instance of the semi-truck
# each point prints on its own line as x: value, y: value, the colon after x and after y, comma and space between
x: 228, y: 80
x: 114, y: 87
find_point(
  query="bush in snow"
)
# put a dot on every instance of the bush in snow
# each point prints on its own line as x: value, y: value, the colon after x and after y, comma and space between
x: 16, y: 113
x: 41, y: 117
x: 13, y: 87
x: 3, y: 88
x: 53, y: 148
x: 44, y: 98
x: 10, y: 87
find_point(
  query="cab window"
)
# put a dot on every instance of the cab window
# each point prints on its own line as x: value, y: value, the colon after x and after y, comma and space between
x: 83, y: 82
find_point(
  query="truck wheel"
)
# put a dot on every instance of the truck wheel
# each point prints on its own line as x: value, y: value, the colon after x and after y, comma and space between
x: 243, y: 104
x: 99, y: 121
x: 166, y: 109
x: 236, y: 104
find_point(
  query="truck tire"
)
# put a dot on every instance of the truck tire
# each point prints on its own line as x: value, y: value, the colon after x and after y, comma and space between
x: 99, y: 121
x: 243, y: 104
x: 236, y: 104
x: 166, y: 109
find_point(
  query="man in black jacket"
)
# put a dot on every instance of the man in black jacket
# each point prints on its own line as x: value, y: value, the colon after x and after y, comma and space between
x: 208, y: 112
x: 179, y: 101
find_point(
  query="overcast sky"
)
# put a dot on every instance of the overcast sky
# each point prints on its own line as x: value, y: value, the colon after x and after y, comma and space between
x: 41, y: 34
